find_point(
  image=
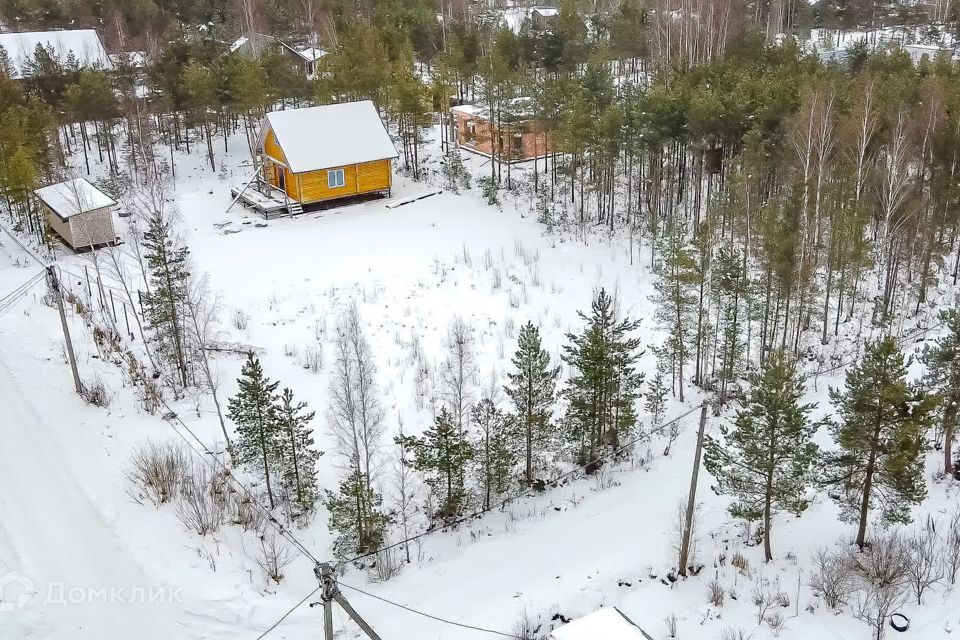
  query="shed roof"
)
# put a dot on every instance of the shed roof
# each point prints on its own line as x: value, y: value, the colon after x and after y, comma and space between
x: 607, y: 623
x: 73, y: 197
x: 333, y: 135
x: 85, y: 45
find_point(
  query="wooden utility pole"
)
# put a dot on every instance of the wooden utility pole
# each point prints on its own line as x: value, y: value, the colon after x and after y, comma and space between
x: 692, y: 496
x: 330, y: 593
x: 55, y: 286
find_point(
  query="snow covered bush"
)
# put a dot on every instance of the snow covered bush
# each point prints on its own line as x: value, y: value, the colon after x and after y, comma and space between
x: 951, y: 549
x: 715, y: 593
x: 924, y: 564
x: 156, y: 471
x: 203, y: 501
x: 240, y: 319
x: 735, y: 633
x: 272, y: 556
x: 94, y: 392
x: 831, y: 577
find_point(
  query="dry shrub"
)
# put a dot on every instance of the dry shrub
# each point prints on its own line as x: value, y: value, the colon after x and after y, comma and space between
x: 832, y: 577
x: 387, y: 564
x: 715, y: 593
x: 740, y: 563
x: 204, y: 501
x: 94, y: 392
x: 273, y: 556
x: 156, y: 471
x: 883, y: 562
x: 735, y: 633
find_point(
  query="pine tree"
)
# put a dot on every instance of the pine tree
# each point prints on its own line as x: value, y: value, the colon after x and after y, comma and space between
x: 299, y: 456
x: 169, y: 288
x: 355, y: 515
x: 254, y: 411
x: 442, y: 454
x: 656, y: 399
x: 605, y: 384
x: 880, y: 439
x: 943, y: 378
x: 494, y: 455
x: 766, y: 462
x: 675, y: 301
x: 532, y: 390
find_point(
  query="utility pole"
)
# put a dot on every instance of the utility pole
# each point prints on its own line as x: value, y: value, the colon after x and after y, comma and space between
x: 55, y: 286
x: 692, y: 496
x: 331, y: 592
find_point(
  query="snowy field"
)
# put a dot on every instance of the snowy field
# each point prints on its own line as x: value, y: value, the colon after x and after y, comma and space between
x: 68, y: 524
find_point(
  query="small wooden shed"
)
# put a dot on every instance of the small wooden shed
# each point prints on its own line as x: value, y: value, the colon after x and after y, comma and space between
x: 79, y: 213
x: 323, y: 153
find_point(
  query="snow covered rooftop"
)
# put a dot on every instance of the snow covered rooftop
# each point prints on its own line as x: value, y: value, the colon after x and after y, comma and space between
x: 333, y: 135
x: 603, y: 624
x: 547, y: 12
x: 311, y: 54
x: 73, y: 197
x: 239, y: 42
x: 84, y: 44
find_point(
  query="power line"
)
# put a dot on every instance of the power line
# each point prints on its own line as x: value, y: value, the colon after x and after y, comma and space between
x: 283, y: 531
x: 903, y: 338
x: 27, y: 249
x: 8, y: 300
x: 502, y: 503
x: 287, y: 614
x: 454, y: 623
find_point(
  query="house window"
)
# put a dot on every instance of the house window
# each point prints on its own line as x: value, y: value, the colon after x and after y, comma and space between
x: 335, y: 178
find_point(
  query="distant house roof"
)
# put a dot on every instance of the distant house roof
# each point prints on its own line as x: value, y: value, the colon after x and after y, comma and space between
x: 136, y: 59
x: 310, y: 54
x: 73, y: 197
x: 333, y: 135
x: 546, y: 12
x: 607, y: 623
x: 84, y: 44
x: 513, y: 110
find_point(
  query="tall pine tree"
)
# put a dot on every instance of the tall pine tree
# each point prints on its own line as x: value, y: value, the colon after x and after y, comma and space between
x: 442, y: 454
x: 169, y: 288
x: 296, y: 450
x: 676, y: 302
x: 766, y: 462
x: 254, y: 411
x: 943, y: 378
x: 880, y: 438
x: 532, y: 390
x: 494, y: 455
x: 605, y: 383
x: 356, y: 516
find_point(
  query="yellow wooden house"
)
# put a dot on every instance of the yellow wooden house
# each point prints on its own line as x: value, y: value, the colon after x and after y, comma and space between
x: 323, y: 153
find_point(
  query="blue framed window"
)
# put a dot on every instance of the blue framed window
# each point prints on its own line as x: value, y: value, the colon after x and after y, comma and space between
x: 335, y: 178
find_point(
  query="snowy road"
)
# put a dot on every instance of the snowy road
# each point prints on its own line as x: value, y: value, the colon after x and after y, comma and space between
x: 67, y: 574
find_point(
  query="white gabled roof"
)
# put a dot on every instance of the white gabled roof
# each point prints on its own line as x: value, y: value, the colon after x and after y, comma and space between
x: 74, y: 197
x: 311, y: 54
x: 603, y: 624
x: 333, y: 135
x: 83, y: 43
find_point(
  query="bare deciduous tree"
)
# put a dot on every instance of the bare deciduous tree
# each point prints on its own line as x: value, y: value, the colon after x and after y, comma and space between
x: 356, y: 415
x: 201, y: 313
x: 924, y: 565
x: 273, y: 556
x: 459, y: 372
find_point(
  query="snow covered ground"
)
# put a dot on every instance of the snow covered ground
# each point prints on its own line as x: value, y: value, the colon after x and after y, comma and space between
x: 65, y: 517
